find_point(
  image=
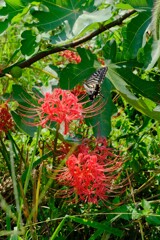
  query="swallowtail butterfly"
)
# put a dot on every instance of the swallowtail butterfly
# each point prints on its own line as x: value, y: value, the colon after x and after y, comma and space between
x: 93, y: 84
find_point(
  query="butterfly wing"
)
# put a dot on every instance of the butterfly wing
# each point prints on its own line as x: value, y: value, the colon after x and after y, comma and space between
x: 93, y: 84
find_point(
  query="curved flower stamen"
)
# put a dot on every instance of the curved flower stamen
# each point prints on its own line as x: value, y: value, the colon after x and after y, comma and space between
x: 60, y: 106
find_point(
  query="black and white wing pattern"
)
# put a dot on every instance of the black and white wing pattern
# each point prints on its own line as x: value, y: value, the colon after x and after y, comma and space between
x: 93, y: 84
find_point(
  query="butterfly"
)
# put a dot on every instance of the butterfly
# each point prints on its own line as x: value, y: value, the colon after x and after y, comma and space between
x: 93, y: 84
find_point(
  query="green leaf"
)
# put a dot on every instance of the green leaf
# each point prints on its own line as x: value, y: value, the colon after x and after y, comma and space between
x: 87, y: 19
x: 141, y: 4
x: 97, y: 233
x: 59, y: 227
x: 148, y: 89
x: 143, y: 105
x: 144, y: 54
x: 153, y: 220
x: 154, y: 53
x: 21, y: 123
x: 8, y: 12
x: 25, y: 100
x: 105, y: 226
x: 22, y: 97
x: 110, y: 50
x: 124, y: 212
x: 133, y: 34
x: 146, y: 206
x: 124, y: 6
x: 53, y: 14
x: 44, y: 157
x: 28, y: 42
x: 136, y: 215
x: 102, y: 122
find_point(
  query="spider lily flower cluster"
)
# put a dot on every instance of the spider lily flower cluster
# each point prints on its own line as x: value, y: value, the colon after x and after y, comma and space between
x: 71, y: 56
x: 60, y: 106
x: 90, y: 172
x: 6, y: 122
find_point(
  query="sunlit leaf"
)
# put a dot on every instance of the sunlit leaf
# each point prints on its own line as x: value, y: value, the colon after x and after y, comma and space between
x: 143, y: 105
x: 29, y: 43
x: 87, y: 19
x: 53, y: 14
x: 133, y: 34
x: 9, y: 11
x: 141, y: 4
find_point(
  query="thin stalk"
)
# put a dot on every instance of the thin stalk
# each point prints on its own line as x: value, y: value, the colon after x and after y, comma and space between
x: 58, y: 229
x: 5, y: 154
x: 55, y: 145
x: 141, y: 230
x: 4, y: 205
x: 29, y: 172
x: 37, y: 193
x: 31, y: 162
x: 15, y: 185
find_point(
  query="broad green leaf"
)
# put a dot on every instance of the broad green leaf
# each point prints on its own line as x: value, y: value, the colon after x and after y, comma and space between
x: 21, y: 123
x: 87, y: 19
x: 133, y: 34
x: 62, y: 35
x: 25, y: 100
x: 8, y: 12
x: 124, y: 6
x: 143, y: 105
x: 110, y: 50
x: 148, y: 89
x: 141, y: 4
x: 15, y: 4
x: 144, y: 54
x: 53, y: 14
x: 153, y: 220
x: 102, y: 122
x: 155, y: 53
x: 28, y: 42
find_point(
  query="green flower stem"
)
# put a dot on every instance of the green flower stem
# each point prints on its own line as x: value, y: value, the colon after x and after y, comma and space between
x: 55, y: 145
x: 50, y: 181
x: 31, y: 163
x: 16, y: 196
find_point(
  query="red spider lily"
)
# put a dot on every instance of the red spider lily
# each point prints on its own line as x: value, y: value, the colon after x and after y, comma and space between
x: 91, y: 171
x: 71, y: 56
x: 6, y: 122
x: 60, y: 106
x: 96, y: 146
x: 86, y: 176
x: 78, y: 90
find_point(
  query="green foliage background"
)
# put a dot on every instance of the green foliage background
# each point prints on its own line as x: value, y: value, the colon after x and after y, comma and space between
x: 122, y: 34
